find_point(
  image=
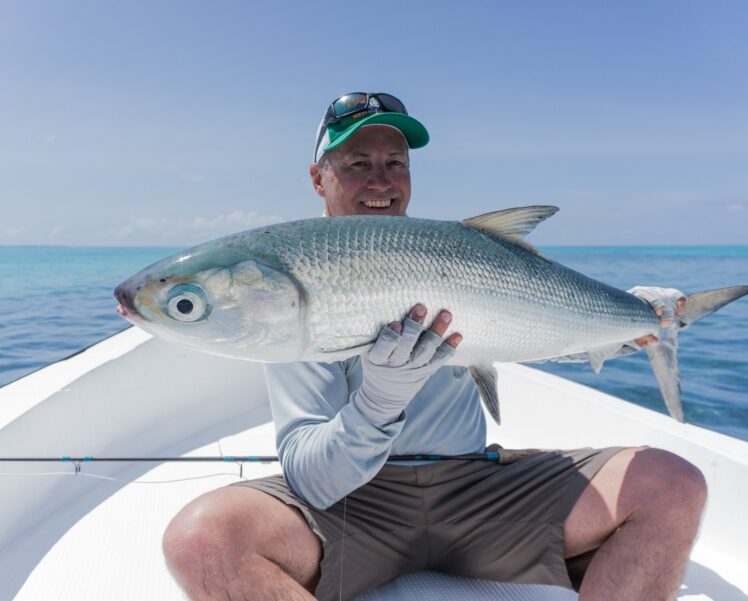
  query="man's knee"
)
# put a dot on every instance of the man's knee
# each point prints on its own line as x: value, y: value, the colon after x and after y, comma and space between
x: 205, y: 534
x: 222, y: 532
x: 666, y: 480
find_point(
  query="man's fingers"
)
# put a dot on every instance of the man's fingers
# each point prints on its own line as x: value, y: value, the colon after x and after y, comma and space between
x: 454, y: 339
x: 441, y: 323
x: 670, y: 310
x: 384, y: 345
x: 411, y: 331
x: 645, y: 340
x: 424, y: 350
x: 418, y: 313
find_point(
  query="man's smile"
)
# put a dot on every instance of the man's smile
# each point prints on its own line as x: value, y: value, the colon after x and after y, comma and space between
x: 384, y: 203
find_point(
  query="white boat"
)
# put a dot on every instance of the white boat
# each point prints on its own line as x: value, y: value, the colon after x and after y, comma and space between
x: 95, y: 535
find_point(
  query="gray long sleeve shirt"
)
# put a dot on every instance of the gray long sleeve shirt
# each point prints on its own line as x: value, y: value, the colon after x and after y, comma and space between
x: 328, y: 448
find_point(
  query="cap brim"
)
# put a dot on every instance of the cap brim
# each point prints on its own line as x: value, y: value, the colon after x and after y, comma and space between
x: 413, y: 130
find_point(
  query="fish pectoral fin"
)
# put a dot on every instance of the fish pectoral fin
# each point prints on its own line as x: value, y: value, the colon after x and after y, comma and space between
x: 486, y: 378
x: 513, y: 224
x: 663, y: 356
x: 598, y: 355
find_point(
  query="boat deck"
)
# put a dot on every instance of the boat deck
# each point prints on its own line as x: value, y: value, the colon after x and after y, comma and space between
x: 66, y: 536
x: 114, y: 552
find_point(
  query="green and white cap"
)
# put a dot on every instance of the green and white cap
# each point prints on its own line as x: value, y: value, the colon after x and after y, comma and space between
x: 345, y: 116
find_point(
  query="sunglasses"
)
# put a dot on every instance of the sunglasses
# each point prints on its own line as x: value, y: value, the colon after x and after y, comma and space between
x: 362, y: 102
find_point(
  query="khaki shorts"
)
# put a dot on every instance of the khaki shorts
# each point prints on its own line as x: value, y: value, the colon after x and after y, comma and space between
x: 475, y: 519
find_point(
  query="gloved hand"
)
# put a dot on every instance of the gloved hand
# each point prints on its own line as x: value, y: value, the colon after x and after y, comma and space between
x: 666, y: 302
x: 398, y: 365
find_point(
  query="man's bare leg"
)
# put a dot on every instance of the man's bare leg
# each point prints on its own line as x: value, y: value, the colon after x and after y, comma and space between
x: 238, y: 543
x: 642, y: 512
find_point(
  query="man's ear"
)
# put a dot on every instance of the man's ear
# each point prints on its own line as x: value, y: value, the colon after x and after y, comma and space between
x: 316, y: 174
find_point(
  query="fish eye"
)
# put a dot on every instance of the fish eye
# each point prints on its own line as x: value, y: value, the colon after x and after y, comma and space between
x: 187, y: 302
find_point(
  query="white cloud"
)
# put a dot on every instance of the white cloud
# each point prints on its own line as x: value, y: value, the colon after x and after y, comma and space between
x: 737, y: 206
x: 185, y: 175
x: 193, y: 177
x: 38, y: 233
x: 58, y: 229
x: 13, y: 234
x: 164, y: 231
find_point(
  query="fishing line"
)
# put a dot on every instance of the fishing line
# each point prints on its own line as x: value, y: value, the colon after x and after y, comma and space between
x: 102, y: 477
x: 342, y: 549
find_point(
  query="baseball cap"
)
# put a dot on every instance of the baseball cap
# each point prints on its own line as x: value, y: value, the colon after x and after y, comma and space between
x: 346, y: 115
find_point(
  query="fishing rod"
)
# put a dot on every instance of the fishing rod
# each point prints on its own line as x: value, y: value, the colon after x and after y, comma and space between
x: 500, y: 456
x: 233, y: 458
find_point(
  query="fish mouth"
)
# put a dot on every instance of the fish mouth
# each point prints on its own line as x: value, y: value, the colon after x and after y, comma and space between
x: 126, y: 307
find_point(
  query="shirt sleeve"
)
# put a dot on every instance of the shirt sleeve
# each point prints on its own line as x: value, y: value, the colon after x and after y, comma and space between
x: 326, y: 446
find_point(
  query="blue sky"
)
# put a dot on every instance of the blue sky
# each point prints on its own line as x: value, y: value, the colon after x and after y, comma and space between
x: 170, y: 123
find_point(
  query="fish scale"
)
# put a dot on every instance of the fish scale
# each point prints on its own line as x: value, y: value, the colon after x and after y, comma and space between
x: 360, y: 273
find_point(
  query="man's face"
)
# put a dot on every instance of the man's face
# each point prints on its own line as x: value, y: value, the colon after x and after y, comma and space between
x: 367, y: 175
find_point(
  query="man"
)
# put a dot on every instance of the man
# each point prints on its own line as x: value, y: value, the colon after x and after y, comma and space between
x: 342, y: 520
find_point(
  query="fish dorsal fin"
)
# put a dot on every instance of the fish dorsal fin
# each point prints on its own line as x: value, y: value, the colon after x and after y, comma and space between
x: 513, y: 224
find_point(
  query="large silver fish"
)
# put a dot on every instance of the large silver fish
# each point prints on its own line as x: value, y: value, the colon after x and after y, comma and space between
x: 322, y: 289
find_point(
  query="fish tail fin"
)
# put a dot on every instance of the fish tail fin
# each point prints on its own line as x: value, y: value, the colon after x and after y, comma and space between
x: 663, y: 354
x: 701, y: 304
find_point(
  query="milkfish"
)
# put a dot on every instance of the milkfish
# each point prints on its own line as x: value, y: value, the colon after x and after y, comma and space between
x: 322, y: 289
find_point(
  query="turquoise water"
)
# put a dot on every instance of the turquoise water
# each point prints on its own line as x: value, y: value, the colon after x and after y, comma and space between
x: 55, y: 301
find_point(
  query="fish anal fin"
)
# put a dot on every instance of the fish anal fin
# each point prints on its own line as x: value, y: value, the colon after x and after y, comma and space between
x: 598, y: 355
x: 486, y: 378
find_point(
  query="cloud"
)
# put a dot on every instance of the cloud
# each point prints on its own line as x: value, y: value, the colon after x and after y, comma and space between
x: 58, y: 229
x: 185, y: 175
x: 13, y: 234
x: 38, y: 233
x: 163, y: 231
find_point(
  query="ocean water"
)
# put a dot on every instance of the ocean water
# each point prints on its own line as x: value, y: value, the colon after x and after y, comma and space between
x: 55, y: 301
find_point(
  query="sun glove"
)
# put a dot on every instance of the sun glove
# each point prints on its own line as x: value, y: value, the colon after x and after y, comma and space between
x: 396, y: 368
x: 660, y: 298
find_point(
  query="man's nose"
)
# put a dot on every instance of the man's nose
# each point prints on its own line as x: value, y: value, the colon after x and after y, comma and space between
x: 379, y: 178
